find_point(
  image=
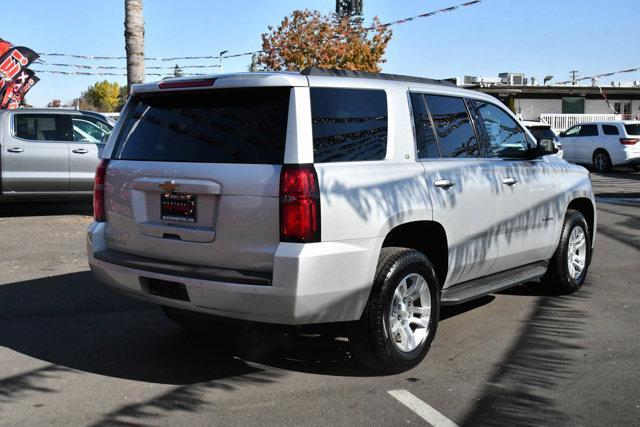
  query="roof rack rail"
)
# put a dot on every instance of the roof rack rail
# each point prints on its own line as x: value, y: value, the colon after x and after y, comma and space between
x: 334, y: 72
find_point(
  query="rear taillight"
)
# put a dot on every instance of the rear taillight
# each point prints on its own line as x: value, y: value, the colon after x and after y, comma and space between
x: 299, y: 204
x: 98, y: 192
x: 628, y: 141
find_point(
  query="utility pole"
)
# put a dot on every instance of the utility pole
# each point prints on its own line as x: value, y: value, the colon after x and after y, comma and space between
x: 574, y: 77
x: 134, y: 41
x: 222, y: 53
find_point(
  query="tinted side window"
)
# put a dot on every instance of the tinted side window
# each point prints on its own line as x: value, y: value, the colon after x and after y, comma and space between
x: 39, y: 127
x: 506, y: 137
x: 456, y: 137
x: 588, y: 130
x: 348, y: 124
x: 610, y: 130
x: 427, y: 145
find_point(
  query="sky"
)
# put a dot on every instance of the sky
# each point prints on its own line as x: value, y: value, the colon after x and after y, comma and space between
x: 535, y: 37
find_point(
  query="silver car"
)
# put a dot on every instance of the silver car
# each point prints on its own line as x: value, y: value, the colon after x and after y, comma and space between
x: 332, y: 196
x: 50, y: 152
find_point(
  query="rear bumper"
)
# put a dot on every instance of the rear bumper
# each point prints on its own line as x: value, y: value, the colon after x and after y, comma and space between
x: 631, y: 155
x: 311, y: 283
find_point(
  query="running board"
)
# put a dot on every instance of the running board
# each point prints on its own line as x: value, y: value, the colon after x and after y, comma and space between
x: 466, y: 291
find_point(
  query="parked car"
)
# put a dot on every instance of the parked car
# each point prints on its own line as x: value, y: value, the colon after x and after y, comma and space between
x: 332, y: 196
x: 542, y: 132
x: 50, y: 151
x: 603, y: 144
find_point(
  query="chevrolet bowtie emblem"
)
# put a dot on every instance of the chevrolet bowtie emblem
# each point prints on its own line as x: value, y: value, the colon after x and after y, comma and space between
x: 170, y: 186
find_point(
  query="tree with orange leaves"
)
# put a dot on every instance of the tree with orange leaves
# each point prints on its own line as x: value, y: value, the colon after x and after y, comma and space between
x: 308, y: 38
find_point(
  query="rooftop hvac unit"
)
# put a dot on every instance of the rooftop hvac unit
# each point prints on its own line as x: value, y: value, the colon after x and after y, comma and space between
x: 470, y: 80
x: 483, y: 81
x: 512, y: 79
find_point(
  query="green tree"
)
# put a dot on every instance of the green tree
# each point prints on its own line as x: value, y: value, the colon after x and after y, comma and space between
x: 308, y: 38
x: 103, y: 96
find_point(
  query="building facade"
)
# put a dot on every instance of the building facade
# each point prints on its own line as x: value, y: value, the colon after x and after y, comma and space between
x: 532, y: 101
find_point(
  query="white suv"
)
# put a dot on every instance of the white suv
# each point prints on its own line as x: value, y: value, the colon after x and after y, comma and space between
x: 332, y: 196
x: 603, y: 144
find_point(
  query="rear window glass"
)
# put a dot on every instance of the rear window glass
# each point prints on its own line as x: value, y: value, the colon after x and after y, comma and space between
x: 348, y: 124
x: 610, y: 130
x: 633, y: 129
x: 214, y: 126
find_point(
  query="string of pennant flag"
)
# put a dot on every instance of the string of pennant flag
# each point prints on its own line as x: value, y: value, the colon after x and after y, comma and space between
x: 105, y: 73
x: 598, y: 76
x: 209, y: 57
x: 113, y: 67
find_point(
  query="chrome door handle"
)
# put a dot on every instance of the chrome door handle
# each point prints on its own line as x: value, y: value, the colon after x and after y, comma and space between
x: 15, y: 150
x: 444, y: 183
x: 80, y: 151
x: 509, y: 181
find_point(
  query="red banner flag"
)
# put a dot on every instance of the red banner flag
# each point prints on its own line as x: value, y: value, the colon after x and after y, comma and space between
x: 14, y: 60
x: 4, y: 46
x: 17, y: 89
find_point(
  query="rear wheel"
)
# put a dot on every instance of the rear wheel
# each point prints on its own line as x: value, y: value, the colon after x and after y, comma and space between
x: 568, y: 267
x: 602, y: 161
x: 400, y: 320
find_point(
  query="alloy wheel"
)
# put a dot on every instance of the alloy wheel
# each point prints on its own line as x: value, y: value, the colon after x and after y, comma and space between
x: 577, y: 252
x: 410, y: 313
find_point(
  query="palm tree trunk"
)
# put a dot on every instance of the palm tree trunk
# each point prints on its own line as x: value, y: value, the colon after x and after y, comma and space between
x: 134, y: 41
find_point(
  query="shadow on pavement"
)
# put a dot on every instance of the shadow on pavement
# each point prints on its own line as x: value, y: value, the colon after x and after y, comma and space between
x: 17, y: 386
x: 71, y: 322
x: 541, y: 360
x: 79, y: 206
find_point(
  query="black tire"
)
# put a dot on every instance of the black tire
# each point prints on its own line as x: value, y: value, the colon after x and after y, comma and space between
x: 602, y: 161
x: 558, y: 278
x: 370, y: 339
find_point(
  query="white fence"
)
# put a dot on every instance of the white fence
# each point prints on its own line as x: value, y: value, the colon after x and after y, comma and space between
x: 562, y: 122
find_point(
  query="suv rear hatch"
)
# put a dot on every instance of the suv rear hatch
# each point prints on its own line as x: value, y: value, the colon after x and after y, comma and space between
x: 193, y: 177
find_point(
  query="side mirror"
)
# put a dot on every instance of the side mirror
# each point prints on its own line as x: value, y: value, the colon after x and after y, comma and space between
x: 546, y: 146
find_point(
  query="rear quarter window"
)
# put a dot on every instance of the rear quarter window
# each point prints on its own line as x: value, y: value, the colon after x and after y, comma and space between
x: 633, y: 129
x: 348, y: 124
x: 212, y: 126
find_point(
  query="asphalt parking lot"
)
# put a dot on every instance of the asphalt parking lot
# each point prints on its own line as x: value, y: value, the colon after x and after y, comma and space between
x: 72, y: 352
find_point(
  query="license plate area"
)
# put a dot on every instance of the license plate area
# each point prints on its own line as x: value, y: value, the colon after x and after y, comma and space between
x: 165, y: 288
x: 180, y: 207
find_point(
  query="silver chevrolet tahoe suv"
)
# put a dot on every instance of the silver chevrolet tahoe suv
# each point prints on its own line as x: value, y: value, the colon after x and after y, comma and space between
x: 331, y: 196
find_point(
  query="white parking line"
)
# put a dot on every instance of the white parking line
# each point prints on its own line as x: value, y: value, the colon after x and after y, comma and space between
x: 426, y: 412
